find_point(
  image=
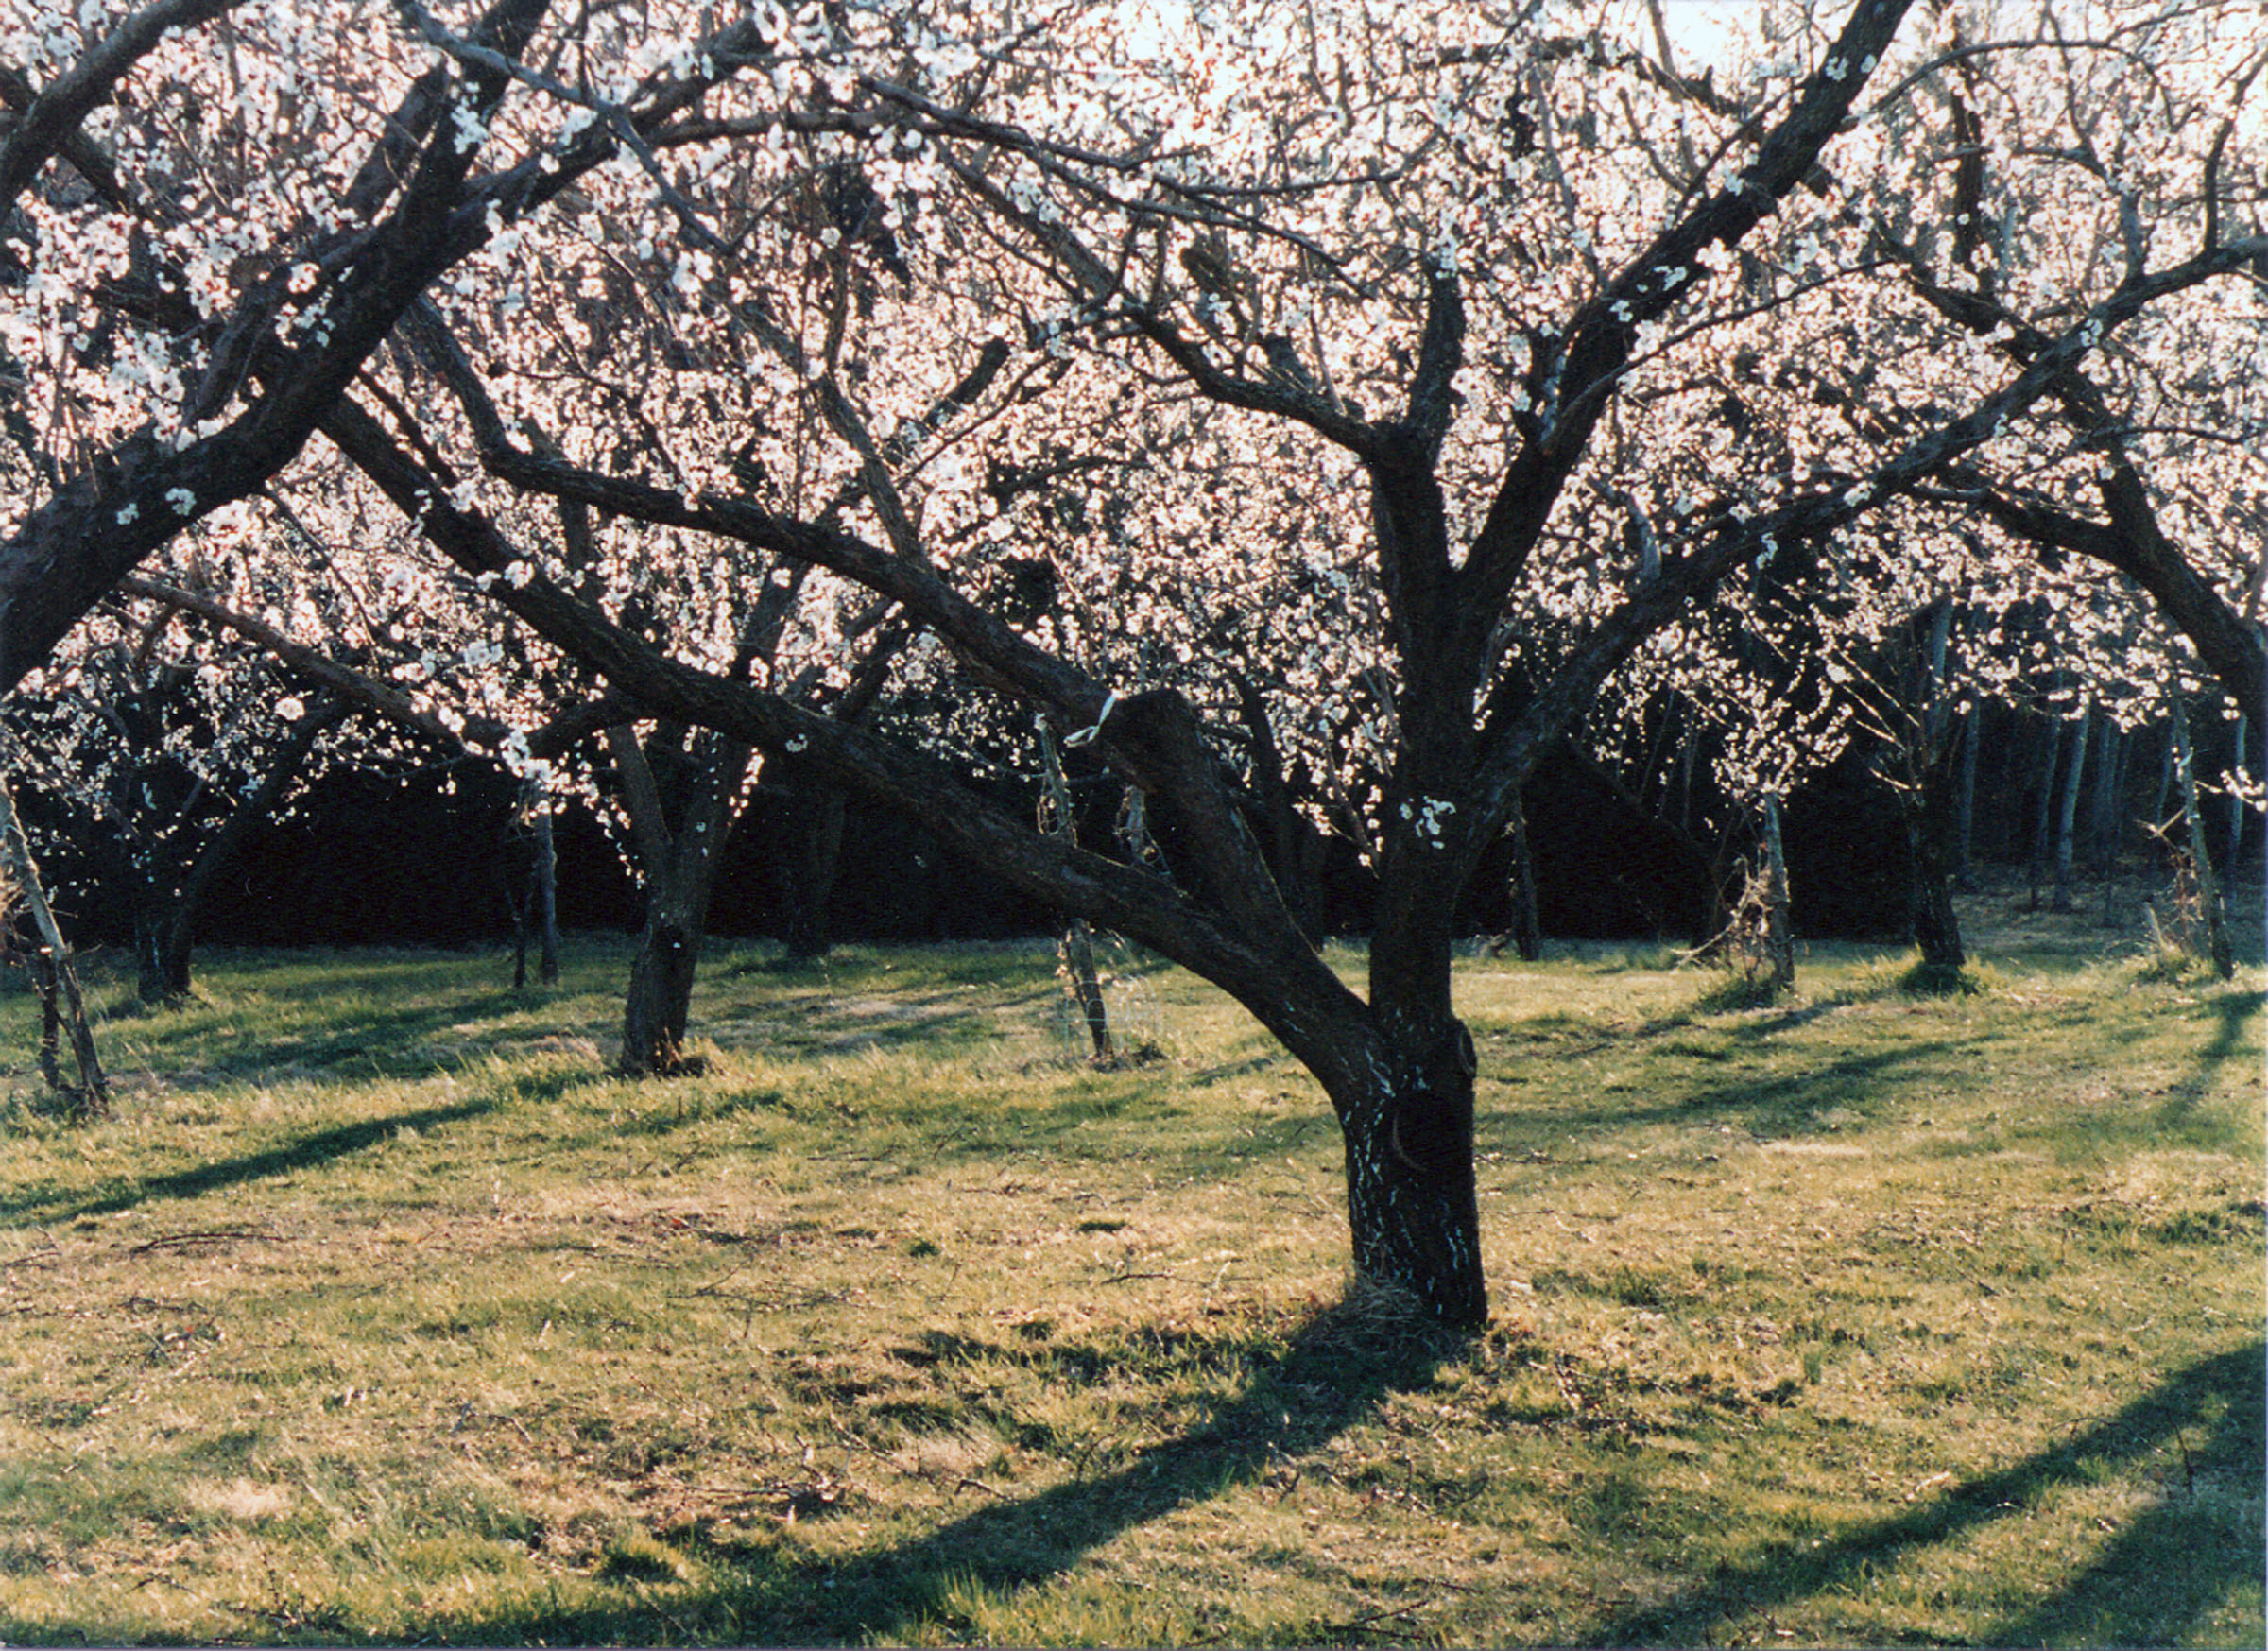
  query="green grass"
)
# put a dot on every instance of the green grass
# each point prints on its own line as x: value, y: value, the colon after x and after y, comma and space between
x: 380, y: 1312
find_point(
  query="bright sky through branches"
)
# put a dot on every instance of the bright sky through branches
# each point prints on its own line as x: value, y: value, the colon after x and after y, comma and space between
x: 1698, y: 30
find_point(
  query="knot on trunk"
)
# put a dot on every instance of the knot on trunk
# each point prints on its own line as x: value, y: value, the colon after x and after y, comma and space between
x: 1429, y: 1127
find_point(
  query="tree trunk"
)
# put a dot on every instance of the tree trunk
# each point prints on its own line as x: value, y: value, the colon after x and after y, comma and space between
x: 2201, y: 859
x: 2233, y: 857
x: 161, y: 944
x: 819, y: 856
x: 1412, y: 1199
x: 1932, y: 819
x: 546, y: 896
x: 678, y: 869
x: 659, y: 1001
x: 1527, y: 928
x: 166, y: 919
x: 2043, y: 824
x: 51, y: 1015
x: 1077, y: 945
x: 1964, y: 804
x: 2067, y: 813
x: 1780, y: 936
x: 1078, y: 951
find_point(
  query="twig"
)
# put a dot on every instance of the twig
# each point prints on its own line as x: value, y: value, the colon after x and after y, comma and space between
x: 219, y: 1236
x: 1336, y: 1629
x: 51, y: 1248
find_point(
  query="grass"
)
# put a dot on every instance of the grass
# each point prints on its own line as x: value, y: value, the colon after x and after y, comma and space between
x: 379, y: 1312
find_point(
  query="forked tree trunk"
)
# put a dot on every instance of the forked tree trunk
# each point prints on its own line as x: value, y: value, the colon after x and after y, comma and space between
x: 680, y: 872
x: 166, y: 919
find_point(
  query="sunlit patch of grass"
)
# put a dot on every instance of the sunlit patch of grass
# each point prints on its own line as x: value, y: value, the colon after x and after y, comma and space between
x: 1862, y: 1317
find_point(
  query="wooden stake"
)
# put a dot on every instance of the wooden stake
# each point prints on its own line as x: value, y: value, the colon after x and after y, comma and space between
x: 93, y: 1091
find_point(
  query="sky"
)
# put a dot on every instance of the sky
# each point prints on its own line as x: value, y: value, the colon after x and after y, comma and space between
x: 1697, y: 27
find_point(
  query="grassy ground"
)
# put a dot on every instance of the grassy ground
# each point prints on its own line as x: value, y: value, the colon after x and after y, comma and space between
x: 380, y: 1312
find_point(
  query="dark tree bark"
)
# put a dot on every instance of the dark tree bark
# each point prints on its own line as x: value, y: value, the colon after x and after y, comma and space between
x: 816, y: 829
x: 1527, y: 929
x: 1933, y: 833
x: 1965, y: 807
x: 678, y: 868
x: 2067, y: 813
x: 2211, y: 912
x: 2043, y: 813
x: 546, y: 896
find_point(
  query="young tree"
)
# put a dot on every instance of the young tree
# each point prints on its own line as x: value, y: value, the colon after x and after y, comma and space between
x: 161, y: 749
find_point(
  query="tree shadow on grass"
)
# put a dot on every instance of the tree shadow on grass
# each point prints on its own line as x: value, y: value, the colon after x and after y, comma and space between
x: 2231, y: 1008
x: 2153, y: 1584
x: 1336, y: 1371
x: 1766, y: 1104
x: 408, y: 1040
x: 305, y: 1153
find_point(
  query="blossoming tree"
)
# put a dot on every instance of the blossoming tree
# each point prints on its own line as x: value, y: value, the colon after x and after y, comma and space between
x: 1463, y: 294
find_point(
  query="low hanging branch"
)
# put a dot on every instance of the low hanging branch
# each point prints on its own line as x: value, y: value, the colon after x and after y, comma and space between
x: 52, y: 969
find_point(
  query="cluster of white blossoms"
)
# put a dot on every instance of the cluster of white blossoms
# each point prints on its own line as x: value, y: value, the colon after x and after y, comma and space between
x: 1023, y: 303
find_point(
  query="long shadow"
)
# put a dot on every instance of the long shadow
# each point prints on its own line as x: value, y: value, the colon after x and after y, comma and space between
x: 306, y: 1153
x: 383, y: 1039
x: 2232, y: 1009
x: 387, y: 1039
x: 1336, y: 1371
x: 2162, y: 1575
x: 1779, y: 1104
